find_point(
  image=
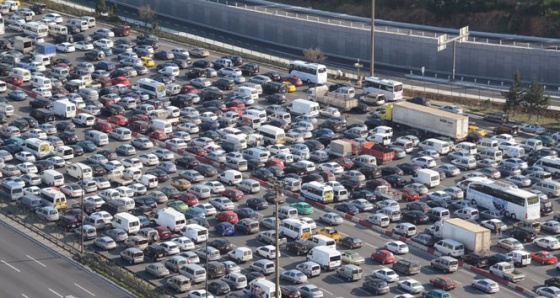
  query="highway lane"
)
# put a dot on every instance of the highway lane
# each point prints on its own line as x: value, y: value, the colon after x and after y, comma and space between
x: 29, y: 270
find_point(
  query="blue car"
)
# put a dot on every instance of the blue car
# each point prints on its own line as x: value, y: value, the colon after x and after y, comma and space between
x: 324, y: 132
x: 225, y: 229
x: 106, y: 50
x: 88, y: 146
x: 105, y: 65
x: 195, y: 212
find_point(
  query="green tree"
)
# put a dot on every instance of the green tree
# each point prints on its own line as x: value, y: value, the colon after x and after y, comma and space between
x: 515, y: 94
x: 535, y: 100
x: 100, y: 8
x: 114, y: 12
x: 146, y: 13
x: 314, y: 54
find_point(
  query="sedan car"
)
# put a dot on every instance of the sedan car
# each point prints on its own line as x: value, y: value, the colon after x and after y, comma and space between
x: 444, y: 282
x: 510, y: 244
x: 551, y: 226
x: 486, y: 285
x: 158, y: 270
x: 544, y: 257
x: 551, y: 292
x: 386, y: 274
x: 294, y: 276
x: 105, y: 243
x: 352, y: 257
x: 331, y: 218
x: 411, y: 286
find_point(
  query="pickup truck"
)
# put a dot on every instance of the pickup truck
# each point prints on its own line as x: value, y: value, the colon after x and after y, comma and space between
x: 269, y: 237
x: 507, y: 271
x: 383, y: 192
x: 330, y: 232
x: 120, y: 178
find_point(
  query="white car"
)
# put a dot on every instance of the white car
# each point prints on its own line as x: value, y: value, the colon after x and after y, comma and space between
x: 92, y: 110
x: 215, y: 186
x: 184, y: 243
x: 176, y: 144
x: 222, y: 203
x: 25, y: 156
x: 260, y: 79
x: 142, y: 143
x: 65, y: 47
x: 331, y: 218
x: 103, y: 43
x: 83, y: 46
x: 113, y: 165
x: 491, y: 224
x: 199, y: 294
x: 105, y: 243
x: 209, y: 210
x: 332, y: 167
x: 149, y: 159
x: 132, y: 163
x: 424, y: 161
x: 397, y: 247
x: 97, y: 159
x: 170, y: 247
x: 183, y: 135
x: 452, y: 109
x: 386, y: 274
x: 267, y: 251
x: 230, y: 71
x: 411, y: 286
x: 548, y: 243
x: 27, y: 168
x: 329, y: 112
x: 188, y: 128
x: 53, y: 17
x: 97, y: 200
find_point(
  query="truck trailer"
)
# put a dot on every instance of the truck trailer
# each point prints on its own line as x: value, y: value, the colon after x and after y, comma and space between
x: 474, y: 237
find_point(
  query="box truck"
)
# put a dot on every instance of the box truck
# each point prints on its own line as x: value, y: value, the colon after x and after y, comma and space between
x: 474, y: 237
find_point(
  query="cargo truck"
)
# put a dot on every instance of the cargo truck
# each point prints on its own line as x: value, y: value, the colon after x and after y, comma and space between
x: 44, y: 52
x: 382, y: 154
x: 120, y: 178
x: 321, y: 95
x: 474, y: 237
x: 23, y: 44
x: 427, y: 119
x: 340, y: 148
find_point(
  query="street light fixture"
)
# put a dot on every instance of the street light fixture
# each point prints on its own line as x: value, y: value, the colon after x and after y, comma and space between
x: 277, y: 187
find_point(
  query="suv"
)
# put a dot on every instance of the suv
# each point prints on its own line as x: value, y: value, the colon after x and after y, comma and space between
x: 154, y: 252
x: 248, y: 226
x: 299, y: 247
x: 215, y: 269
x: 408, y: 267
x: 68, y: 223
x: 524, y: 235
x: 476, y: 259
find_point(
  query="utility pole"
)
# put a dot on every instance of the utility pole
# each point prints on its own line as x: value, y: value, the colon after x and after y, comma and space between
x: 82, y: 215
x: 372, y: 38
x: 443, y: 40
x: 277, y: 187
x: 206, y: 267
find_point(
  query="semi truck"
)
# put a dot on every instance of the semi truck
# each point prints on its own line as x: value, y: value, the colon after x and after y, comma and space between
x: 427, y: 119
x: 474, y: 237
x: 321, y: 95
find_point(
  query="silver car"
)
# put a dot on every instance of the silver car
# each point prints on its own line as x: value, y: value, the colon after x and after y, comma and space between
x: 294, y: 276
x: 158, y: 270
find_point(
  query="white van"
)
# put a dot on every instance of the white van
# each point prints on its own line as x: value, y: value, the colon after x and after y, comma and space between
x: 393, y: 213
x: 490, y: 153
x: 79, y: 171
x: 127, y: 222
x: 150, y: 181
x: 257, y: 113
x: 514, y: 152
x: 384, y: 130
x: 321, y: 240
x: 448, y: 247
x: 442, y: 147
x: 241, y: 254
x: 487, y: 144
x: 53, y: 198
x: 328, y: 258
x: 195, y: 232
x: 91, y: 21
x: 256, y: 153
x: 405, y: 229
x: 41, y: 82
x: 287, y: 212
x: 126, y: 202
x: 549, y: 187
x: 55, y: 29
x: 250, y: 186
x: 428, y: 177
x: 170, y: 218
x: 468, y: 147
x: 97, y: 137
x: 82, y: 24
x: 163, y: 125
x: 52, y: 178
x: 520, y: 258
x: 245, y: 91
x: 344, y: 92
x: 23, y: 73
x: 195, y: 272
x: 172, y: 71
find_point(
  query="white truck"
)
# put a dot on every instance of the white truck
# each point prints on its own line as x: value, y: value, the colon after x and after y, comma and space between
x: 321, y: 95
x: 474, y: 237
x: 506, y: 271
x: 260, y: 288
x: 120, y: 178
x: 339, y: 148
x: 64, y: 109
x: 170, y: 218
x: 427, y: 119
x: 303, y: 107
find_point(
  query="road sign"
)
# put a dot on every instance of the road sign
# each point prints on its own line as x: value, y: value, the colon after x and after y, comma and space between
x: 464, y: 34
x: 442, y: 42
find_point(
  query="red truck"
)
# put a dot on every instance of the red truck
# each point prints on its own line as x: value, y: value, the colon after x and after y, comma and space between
x: 382, y: 154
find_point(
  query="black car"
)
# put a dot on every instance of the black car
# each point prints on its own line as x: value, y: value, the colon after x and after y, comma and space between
x: 376, y: 286
x: 78, y: 151
x: 476, y: 259
x: 154, y: 252
x: 290, y: 292
x: 314, y: 145
x: 270, y: 197
x: 419, y: 206
x: 160, y: 174
x: 212, y: 134
x: 31, y: 121
x: 65, y: 126
x: 257, y: 203
x: 222, y: 244
x: 254, y: 275
x: 82, y: 37
x: 373, y: 122
x: 371, y: 171
x: 218, y: 288
x: 297, y: 169
x: 12, y: 148
x: 552, y: 282
x: 206, y: 170
x: 224, y: 84
x: 112, y: 110
x: 299, y: 247
x: 415, y: 217
x: 312, y: 177
x: 253, y: 164
x: 388, y: 170
x: 347, y: 207
x: 352, y: 184
x: 262, y: 174
x: 276, y: 98
x: 396, y: 181
x: 524, y: 235
x: 420, y: 100
x: 187, y: 162
x: 109, y: 154
x: 203, y: 64
x: 499, y: 257
x: 363, y: 194
x: 273, y: 76
x: 247, y: 212
x: 68, y: 137
x: 68, y: 223
x: 351, y: 242
x: 408, y: 168
x: 211, y: 93
x: 437, y: 203
x: 97, y: 170
x: 21, y: 124
x: 145, y: 201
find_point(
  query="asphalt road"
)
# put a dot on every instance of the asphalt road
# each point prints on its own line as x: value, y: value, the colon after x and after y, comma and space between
x: 29, y: 270
x: 331, y: 285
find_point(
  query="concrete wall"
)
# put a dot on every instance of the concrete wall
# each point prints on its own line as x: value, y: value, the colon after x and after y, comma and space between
x: 408, y: 52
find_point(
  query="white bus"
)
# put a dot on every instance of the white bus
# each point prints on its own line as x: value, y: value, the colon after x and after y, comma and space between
x: 550, y: 164
x: 308, y: 72
x: 295, y: 228
x: 40, y: 148
x: 36, y: 29
x: 392, y: 90
x: 272, y: 134
x: 507, y: 198
x: 152, y: 87
x: 2, y: 29
x: 317, y: 192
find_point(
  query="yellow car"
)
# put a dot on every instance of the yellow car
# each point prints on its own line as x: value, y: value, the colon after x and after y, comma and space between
x: 181, y: 184
x: 474, y: 128
x: 330, y: 232
x: 289, y: 87
x: 148, y: 62
x: 352, y: 257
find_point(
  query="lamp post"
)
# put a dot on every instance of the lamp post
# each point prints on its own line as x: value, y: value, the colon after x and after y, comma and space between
x: 206, y: 265
x: 372, y: 38
x: 82, y: 214
x: 277, y: 187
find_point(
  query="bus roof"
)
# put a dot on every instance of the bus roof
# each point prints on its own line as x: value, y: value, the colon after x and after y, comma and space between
x: 384, y: 81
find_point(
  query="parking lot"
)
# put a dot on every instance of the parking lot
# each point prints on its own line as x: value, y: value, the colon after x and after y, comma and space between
x: 330, y: 284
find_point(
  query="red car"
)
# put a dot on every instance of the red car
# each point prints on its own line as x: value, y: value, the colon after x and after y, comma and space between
x: 233, y: 194
x: 188, y: 198
x: 236, y: 105
x: 163, y: 232
x: 158, y: 135
x: 59, y: 90
x: 120, y: 80
x: 410, y: 195
x: 139, y: 117
x: 197, y: 150
x: 383, y: 256
x: 294, y: 80
x: 443, y: 282
x: 14, y: 80
x: 327, y: 176
x: 104, y: 81
x: 274, y: 162
x: 188, y: 89
x: 544, y: 257
x: 119, y: 120
x: 103, y: 126
x: 345, y: 162
x: 227, y: 216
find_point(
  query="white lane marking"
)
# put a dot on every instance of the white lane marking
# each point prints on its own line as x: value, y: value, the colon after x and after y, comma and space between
x: 538, y: 282
x: 32, y: 258
x: 25, y: 296
x: 85, y: 290
x: 325, y: 290
x: 10, y: 266
x: 371, y: 245
x: 57, y: 294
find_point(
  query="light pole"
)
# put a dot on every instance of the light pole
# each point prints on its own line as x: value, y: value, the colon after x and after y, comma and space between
x: 206, y: 264
x: 277, y: 187
x: 443, y: 40
x: 82, y: 214
x: 372, y: 37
